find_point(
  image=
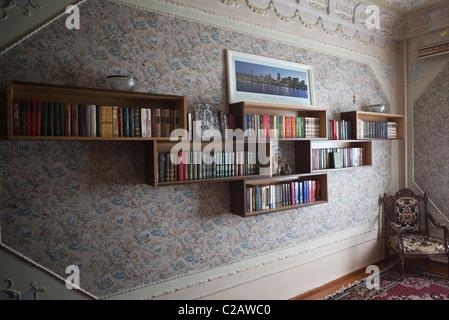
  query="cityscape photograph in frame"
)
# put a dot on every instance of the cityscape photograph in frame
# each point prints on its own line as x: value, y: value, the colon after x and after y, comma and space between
x: 254, y: 78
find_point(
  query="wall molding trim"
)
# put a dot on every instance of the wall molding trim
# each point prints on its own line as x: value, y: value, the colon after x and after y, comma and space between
x: 201, y: 284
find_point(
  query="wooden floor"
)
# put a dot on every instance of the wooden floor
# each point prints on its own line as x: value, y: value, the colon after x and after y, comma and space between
x: 331, y: 287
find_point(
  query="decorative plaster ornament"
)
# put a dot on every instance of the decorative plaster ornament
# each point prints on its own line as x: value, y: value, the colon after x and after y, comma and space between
x: 25, y: 4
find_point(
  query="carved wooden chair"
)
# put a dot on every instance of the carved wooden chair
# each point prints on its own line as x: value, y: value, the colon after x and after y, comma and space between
x: 406, y: 222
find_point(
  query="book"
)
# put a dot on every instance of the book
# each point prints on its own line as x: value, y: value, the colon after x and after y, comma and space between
x: 336, y: 160
x: 149, y: 122
x: 51, y: 119
x: 153, y: 123
x: 57, y: 123
x: 120, y: 122
x: 126, y: 121
x: 137, y: 122
x: 167, y: 123
x: 74, y: 130
x: 81, y: 120
x: 44, y: 119
x: 67, y: 131
x: 87, y: 121
x: 16, y: 117
x: 132, y: 128
x: 158, y: 123
x: 38, y: 123
x: 62, y: 118
x: 99, y: 120
x: 143, y: 122
x: 115, y: 121
x: 93, y: 120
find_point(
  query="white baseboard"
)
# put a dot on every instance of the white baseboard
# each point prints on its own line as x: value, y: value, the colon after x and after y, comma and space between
x: 281, y: 274
x: 291, y: 271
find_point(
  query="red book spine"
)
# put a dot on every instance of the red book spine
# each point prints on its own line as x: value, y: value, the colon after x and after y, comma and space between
x: 180, y: 167
x: 153, y: 123
x: 293, y: 126
x: 185, y: 164
x: 335, y: 129
x: 292, y: 193
x: 313, y: 190
x: 67, y: 120
x: 33, y: 117
x: 38, y: 117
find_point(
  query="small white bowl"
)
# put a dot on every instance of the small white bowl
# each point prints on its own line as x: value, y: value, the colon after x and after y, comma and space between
x: 121, y: 82
x: 377, y: 108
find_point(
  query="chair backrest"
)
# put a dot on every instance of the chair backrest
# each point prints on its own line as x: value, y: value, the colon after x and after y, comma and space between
x: 406, y: 213
x: 407, y: 210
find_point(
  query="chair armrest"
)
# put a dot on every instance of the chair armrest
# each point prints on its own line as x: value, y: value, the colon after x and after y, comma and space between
x: 397, y: 228
x: 437, y: 224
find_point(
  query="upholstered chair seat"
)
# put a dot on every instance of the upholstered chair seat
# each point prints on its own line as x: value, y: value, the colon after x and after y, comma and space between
x: 418, y: 244
x: 406, y: 228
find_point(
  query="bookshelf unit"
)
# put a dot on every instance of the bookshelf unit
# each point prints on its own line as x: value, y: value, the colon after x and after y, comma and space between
x: 354, y: 117
x: 240, y: 196
x: 87, y: 96
x: 198, y: 171
x: 277, y: 189
x: 241, y: 109
x: 308, y: 163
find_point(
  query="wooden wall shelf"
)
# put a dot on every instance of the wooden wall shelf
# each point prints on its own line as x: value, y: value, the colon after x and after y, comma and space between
x: 241, y: 109
x: 240, y: 196
x: 242, y: 181
x: 229, y: 166
x: 354, y: 117
x: 18, y: 92
x: 307, y: 161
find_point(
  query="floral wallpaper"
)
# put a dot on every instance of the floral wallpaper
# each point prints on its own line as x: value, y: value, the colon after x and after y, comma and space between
x: 85, y: 203
x: 431, y: 142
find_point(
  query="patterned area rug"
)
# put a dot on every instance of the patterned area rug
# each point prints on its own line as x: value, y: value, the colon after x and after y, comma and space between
x: 417, y: 285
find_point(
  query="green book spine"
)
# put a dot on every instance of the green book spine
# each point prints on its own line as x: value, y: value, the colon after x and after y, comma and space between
x: 137, y: 122
x: 57, y: 120
x: 51, y: 119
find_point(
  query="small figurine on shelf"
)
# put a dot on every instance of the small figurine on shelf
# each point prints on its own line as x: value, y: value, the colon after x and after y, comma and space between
x: 283, y: 167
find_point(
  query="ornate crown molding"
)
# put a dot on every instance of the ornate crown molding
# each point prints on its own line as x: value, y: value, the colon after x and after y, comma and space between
x: 13, y: 4
x: 10, y: 294
x: 346, y: 17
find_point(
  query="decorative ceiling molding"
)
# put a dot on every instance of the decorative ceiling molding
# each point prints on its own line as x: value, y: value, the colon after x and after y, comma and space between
x: 406, y: 8
x: 348, y: 17
x: 21, y: 18
x: 426, y: 22
x: 7, y: 5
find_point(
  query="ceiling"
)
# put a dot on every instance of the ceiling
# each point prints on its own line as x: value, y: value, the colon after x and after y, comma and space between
x: 22, y: 17
x: 404, y: 8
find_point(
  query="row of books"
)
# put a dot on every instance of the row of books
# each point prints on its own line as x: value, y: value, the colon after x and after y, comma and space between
x: 280, y: 195
x: 280, y: 127
x: 377, y: 129
x: 335, y: 158
x: 34, y: 117
x: 339, y: 130
x: 197, y: 165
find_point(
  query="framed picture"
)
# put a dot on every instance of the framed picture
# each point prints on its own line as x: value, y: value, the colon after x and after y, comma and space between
x: 261, y: 79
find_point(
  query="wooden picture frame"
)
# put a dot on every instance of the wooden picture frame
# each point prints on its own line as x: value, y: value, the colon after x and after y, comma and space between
x: 262, y: 79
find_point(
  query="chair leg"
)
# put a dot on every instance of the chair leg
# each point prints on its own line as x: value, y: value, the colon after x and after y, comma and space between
x: 387, y: 254
x: 402, y: 267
